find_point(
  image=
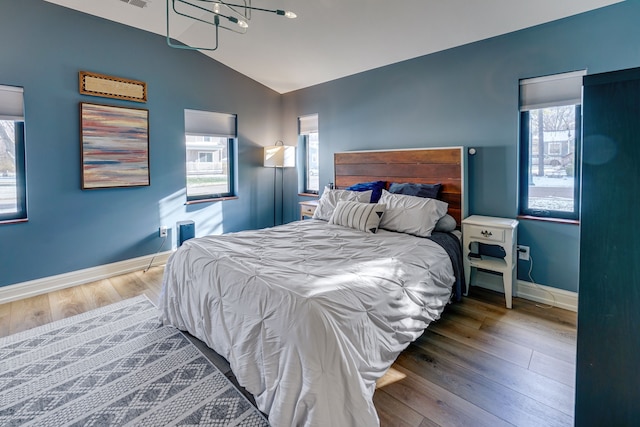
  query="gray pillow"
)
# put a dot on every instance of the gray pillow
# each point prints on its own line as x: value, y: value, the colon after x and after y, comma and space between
x: 411, y: 214
x: 447, y: 223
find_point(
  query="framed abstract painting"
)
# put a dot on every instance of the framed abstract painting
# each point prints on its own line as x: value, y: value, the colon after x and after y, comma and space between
x: 114, y: 146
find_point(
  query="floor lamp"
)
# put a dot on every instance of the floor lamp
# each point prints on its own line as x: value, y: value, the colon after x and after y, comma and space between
x: 279, y: 156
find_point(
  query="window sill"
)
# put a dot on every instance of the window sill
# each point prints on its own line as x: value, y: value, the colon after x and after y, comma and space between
x: 217, y: 199
x: 308, y: 194
x: 13, y: 221
x: 545, y: 219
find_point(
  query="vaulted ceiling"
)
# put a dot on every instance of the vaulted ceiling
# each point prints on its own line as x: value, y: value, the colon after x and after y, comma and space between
x: 336, y: 38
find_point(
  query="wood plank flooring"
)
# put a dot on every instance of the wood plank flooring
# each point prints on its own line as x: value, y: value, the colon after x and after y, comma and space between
x: 479, y: 365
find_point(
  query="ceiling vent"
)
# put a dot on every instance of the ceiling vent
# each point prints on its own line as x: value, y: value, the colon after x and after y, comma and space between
x: 139, y: 3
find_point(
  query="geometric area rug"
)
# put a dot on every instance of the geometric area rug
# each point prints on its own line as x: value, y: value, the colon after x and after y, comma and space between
x: 115, y: 366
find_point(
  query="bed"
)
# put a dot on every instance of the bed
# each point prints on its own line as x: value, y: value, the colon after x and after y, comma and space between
x: 310, y: 314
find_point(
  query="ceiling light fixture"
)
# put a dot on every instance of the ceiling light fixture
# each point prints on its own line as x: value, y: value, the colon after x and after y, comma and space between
x: 138, y: 3
x: 216, y: 13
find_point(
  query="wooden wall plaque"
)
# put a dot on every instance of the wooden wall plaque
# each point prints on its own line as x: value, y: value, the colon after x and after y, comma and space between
x: 112, y: 87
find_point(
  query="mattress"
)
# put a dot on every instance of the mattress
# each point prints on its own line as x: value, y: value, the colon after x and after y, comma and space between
x: 309, y: 315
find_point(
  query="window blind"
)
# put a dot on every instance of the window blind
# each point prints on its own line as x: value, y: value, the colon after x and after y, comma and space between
x: 206, y: 123
x: 308, y: 124
x: 555, y: 90
x: 11, y: 103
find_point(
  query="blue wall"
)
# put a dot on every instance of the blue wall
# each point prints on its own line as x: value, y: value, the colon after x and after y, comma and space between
x: 42, y: 48
x: 469, y: 96
x: 463, y: 96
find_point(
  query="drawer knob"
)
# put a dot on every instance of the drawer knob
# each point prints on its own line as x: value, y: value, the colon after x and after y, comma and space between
x: 486, y: 233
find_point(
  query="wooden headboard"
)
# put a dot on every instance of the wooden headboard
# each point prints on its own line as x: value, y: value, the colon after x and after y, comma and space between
x: 423, y: 166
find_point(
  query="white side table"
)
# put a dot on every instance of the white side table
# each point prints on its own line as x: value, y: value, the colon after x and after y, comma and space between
x: 307, y: 208
x: 502, y: 232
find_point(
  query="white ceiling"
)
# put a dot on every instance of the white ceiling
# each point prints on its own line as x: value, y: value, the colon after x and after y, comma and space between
x: 336, y: 38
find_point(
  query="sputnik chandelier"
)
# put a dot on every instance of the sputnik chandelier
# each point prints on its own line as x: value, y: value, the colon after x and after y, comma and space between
x: 217, y: 13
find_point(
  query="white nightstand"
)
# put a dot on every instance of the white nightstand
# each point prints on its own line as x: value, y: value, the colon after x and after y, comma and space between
x: 307, y: 208
x: 502, y: 232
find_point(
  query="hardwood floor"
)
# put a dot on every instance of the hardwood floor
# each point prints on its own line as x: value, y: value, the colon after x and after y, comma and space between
x: 479, y: 365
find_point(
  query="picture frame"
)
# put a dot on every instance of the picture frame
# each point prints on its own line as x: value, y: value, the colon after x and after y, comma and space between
x: 114, y: 146
x: 96, y: 84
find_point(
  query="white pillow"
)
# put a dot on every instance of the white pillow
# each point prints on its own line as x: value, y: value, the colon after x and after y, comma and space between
x: 330, y: 199
x: 411, y: 214
x: 357, y: 215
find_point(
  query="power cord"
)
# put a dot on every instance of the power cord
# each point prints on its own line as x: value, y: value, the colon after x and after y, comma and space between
x: 553, y: 297
x: 156, y: 254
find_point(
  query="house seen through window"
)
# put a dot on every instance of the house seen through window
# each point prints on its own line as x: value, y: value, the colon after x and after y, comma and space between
x: 550, y: 113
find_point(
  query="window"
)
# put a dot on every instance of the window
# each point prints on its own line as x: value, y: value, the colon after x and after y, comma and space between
x: 550, y: 113
x: 308, y: 129
x: 206, y: 157
x: 13, y: 188
x: 210, y: 143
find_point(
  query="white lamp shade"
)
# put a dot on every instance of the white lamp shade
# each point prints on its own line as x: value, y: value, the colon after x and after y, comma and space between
x: 280, y: 156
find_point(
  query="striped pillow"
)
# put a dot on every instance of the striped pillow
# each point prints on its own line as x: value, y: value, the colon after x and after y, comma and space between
x: 357, y: 215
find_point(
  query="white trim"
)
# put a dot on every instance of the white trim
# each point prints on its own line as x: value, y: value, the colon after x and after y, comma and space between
x: 66, y: 280
x: 539, y: 293
x: 533, y: 292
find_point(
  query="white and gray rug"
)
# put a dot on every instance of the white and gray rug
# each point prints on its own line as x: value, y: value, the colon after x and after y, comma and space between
x: 115, y: 366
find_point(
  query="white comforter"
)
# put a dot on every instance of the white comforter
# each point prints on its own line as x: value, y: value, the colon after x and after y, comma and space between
x: 308, y: 314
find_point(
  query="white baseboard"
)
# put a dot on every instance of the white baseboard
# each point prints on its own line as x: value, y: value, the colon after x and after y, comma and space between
x: 53, y: 283
x: 539, y: 293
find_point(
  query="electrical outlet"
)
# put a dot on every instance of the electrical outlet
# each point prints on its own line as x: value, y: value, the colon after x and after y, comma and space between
x: 162, y: 231
x: 523, y: 252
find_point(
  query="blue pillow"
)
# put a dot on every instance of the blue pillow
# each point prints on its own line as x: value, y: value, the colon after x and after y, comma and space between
x: 429, y: 191
x: 375, y: 187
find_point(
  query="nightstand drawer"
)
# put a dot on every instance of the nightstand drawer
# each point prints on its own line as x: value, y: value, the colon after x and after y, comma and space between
x: 306, y: 210
x: 485, y: 233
